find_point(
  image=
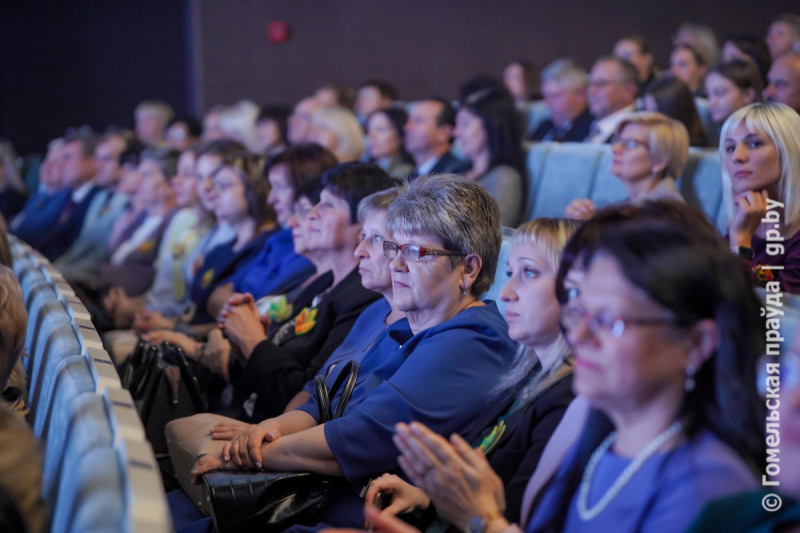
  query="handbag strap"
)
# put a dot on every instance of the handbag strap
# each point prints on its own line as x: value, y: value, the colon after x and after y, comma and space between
x: 347, y: 377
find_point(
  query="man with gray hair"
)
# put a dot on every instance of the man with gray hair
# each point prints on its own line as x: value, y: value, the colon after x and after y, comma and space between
x: 613, y: 84
x: 152, y: 117
x: 784, y: 81
x: 564, y: 90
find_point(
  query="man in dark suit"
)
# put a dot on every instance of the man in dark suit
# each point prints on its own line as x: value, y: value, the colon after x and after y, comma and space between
x: 564, y: 89
x: 77, y: 175
x: 428, y: 135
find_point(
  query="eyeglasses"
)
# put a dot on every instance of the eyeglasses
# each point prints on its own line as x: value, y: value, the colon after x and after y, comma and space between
x: 412, y: 252
x: 628, y: 144
x: 221, y: 186
x: 302, y: 209
x: 601, y: 84
x: 604, y: 324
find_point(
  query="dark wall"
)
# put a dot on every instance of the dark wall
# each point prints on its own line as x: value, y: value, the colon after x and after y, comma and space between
x: 430, y: 46
x: 90, y: 62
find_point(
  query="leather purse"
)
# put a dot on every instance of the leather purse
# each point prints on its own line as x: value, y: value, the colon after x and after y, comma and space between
x: 269, y: 502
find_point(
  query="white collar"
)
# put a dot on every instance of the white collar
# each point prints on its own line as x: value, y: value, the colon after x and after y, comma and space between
x: 608, y: 125
x: 427, y: 166
x: 80, y: 193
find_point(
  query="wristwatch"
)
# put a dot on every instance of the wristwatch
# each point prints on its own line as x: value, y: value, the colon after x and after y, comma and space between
x: 477, y: 524
x: 744, y: 251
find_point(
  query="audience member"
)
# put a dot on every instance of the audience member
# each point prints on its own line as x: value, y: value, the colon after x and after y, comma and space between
x: 637, y: 51
x: 13, y: 192
x: 238, y: 122
x: 82, y: 260
x: 751, y: 48
x: 78, y: 170
x: 731, y: 86
x: 300, y: 119
x: 211, y: 127
x: 783, y: 35
x: 408, y: 368
x: 13, y: 328
x: 336, y: 94
x: 670, y: 96
x: 271, y: 129
x: 20, y: 476
x: 489, y: 136
x: 760, y: 151
x: 701, y: 38
x: 182, y: 132
x: 385, y: 143
x: 428, y: 134
x: 650, y: 151
x: 784, y: 81
x: 564, y: 90
x: 689, y: 66
x: 151, y: 119
x: 338, y: 130
x: 519, y: 78
x: 373, y: 95
x: 129, y: 179
x: 612, y: 89
x: 531, y: 397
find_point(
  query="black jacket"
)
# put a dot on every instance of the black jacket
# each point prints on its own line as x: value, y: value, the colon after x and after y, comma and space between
x: 447, y: 164
x: 577, y: 132
x: 278, y: 368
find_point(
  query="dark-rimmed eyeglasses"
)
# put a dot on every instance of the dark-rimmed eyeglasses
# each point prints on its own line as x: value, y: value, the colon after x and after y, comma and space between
x: 412, y: 252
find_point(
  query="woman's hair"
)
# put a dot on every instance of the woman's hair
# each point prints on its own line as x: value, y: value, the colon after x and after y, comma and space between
x: 6, y: 256
x: 549, y: 235
x: 166, y: 159
x: 345, y: 126
x: 250, y: 169
x: 13, y: 323
x: 529, y: 75
x: 501, y: 123
x: 12, y: 178
x: 457, y: 211
x: 754, y: 47
x: 780, y: 123
x: 704, y: 42
x: 304, y: 161
x: 310, y: 189
x: 238, y: 121
x: 397, y: 118
x: 667, y: 140
x: 279, y: 114
x: 674, y: 99
x: 743, y: 74
x: 21, y: 470
x: 352, y: 182
x: 345, y: 95
x: 379, y: 201
x: 193, y: 126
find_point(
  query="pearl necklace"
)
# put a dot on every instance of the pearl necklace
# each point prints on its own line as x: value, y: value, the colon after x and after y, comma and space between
x: 587, y: 514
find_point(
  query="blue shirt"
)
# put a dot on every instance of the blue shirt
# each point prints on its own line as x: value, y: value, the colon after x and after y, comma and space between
x: 441, y: 377
x: 665, y: 495
x: 276, y: 269
x: 366, y: 331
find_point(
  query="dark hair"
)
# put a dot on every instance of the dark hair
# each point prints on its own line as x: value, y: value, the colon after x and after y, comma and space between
x: 641, y: 42
x: 310, y: 189
x: 193, y: 126
x: 742, y: 73
x: 305, y: 161
x: 345, y: 95
x: 531, y: 76
x: 502, y: 126
x: 352, y: 182
x: 386, y: 89
x: 671, y: 252
x: 675, y: 100
x: 480, y: 84
x: 6, y: 257
x: 166, y: 159
x: 448, y: 113
x: 132, y: 154
x: 629, y: 72
x: 279, y: 114
x: 397, y: 118
x: 250, y: 169
x: 221, y: 148
x: 85, y: 136
x: 756, y: 49
x: 698, y: 57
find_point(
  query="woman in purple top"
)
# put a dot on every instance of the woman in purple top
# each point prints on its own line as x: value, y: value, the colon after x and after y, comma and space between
x: 760, y: 150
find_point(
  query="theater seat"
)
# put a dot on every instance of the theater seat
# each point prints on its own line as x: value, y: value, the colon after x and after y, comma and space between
x: 58, y: 343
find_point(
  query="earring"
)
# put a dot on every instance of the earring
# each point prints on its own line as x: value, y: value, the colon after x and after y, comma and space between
x: 463, y: 292
x: 689, y: 383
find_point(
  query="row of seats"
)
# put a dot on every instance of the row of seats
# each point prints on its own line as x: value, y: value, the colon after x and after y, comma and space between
x: 99, y: 472
x: 561, y: 172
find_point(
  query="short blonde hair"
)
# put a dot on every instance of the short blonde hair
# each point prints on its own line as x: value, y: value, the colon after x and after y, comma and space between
x: 667, y: 141
x: 780, y: 123
x: 548, y: 234
x: 349, y: 134
x: 13, y: 323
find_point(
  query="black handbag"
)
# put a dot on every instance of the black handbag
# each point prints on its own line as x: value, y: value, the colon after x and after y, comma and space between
x: 269, y: 502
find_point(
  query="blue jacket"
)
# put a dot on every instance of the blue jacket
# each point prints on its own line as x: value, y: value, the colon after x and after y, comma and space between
x: 40, y: 213
x: 60, y: 236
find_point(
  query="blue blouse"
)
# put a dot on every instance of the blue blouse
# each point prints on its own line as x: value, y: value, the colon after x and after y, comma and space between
x: 441, y: 377
x: 276, y: 269
x: 664, y: 496
x: 365, y: 332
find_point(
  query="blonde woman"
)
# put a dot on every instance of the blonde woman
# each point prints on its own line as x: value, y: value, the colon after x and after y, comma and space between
x: 650, y: 151
x: 760, y: 150
x: 531, y: 398
x: 338, y: 130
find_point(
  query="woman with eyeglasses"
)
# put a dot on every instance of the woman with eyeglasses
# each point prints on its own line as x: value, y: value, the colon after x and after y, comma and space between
x: 666, y: 351
x: 440, y: 364
x: 649, y: 153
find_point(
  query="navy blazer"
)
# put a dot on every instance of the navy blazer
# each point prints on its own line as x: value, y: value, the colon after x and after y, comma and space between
x: 578, y: 132
x: 40, y: 212
x: 63, y: 233
x: 447, y: 164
